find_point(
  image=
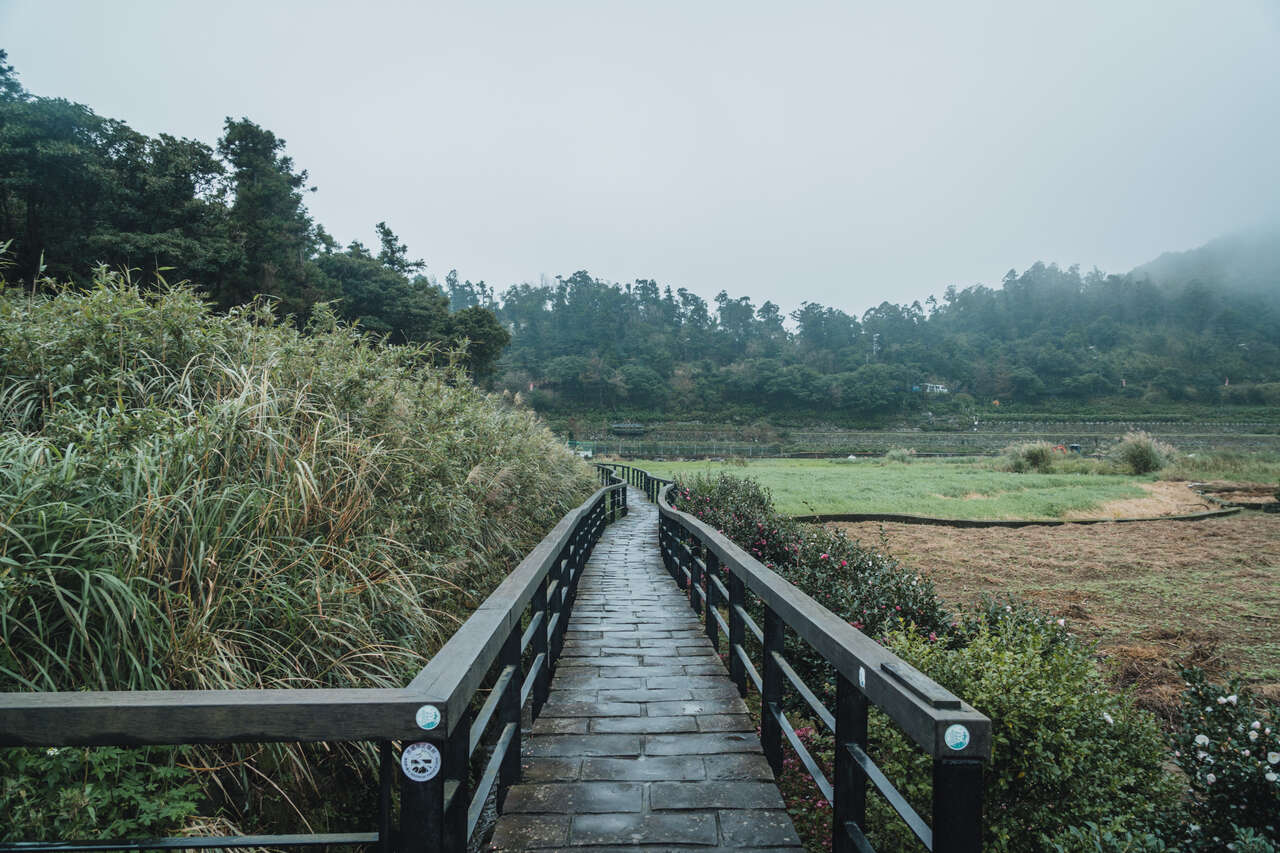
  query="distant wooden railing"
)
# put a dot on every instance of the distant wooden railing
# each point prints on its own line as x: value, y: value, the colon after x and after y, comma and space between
x: 956, y: 736
x: 436, y: 724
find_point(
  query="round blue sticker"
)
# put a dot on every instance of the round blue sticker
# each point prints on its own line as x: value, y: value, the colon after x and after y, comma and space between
x: 428, y: 717
x: 956, y: 737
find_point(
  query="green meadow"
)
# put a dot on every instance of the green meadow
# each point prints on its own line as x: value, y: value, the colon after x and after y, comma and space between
x: 943, y: 488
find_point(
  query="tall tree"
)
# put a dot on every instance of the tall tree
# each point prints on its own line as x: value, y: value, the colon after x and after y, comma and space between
x: 268, y: 220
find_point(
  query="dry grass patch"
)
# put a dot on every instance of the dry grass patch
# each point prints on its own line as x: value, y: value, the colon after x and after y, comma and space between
x: 1153, y: 595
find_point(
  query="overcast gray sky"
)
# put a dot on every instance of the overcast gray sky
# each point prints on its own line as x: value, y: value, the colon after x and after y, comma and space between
x: 843, y: 153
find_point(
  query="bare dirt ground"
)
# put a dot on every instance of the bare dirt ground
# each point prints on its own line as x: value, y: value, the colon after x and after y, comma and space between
x: 1168, y: 497
x: 1152, y: 594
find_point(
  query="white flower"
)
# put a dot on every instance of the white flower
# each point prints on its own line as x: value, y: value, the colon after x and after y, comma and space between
x: 1232, y: 698
x: 1202, y: 740
x: 1108, y: 718
x: 1253, y: 735
x: 1255, y: 725
x: 1245, y: 753
x: 1222, y: 700
x: 1271, y: 776
x: 1062, y: 623
x: 53, y: 750
x: 1210, y: 778
x: 1201, y: 754
x: 1273, y: 757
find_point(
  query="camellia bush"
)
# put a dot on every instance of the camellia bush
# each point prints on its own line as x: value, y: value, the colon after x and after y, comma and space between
x: 1228, y: 746
x: 871, y: 590
x: 1065, y: 750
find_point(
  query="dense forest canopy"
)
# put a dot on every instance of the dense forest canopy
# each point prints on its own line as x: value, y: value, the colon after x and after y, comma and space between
x: 1046, y: 333
x: 78, y: 190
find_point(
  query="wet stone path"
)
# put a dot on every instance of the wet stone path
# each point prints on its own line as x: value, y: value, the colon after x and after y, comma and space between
x: 644, y: 742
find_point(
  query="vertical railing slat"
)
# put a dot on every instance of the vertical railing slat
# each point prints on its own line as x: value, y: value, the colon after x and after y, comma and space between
x: 713, y: 630
x: 737, y: 631
x: 850, y: 804
x: 771, y: 691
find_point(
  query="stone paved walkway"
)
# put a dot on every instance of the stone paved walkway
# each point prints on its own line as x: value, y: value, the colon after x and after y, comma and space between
x: 644, y: 742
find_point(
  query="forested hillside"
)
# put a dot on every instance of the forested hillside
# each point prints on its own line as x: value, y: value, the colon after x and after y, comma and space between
x: 78, y: 190
x: 1045, y: 334
x: 1199, y: 327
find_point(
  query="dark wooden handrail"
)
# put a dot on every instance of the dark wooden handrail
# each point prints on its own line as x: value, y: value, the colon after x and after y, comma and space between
x: 528, y: 612
x: 956, y: 736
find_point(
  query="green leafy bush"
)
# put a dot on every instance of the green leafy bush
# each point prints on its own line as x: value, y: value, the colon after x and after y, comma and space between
x: 1228, y: 746
x: 105, y: 792
x: 1065, y: 750
x: 1141, y: 454
x: 1027, y: 456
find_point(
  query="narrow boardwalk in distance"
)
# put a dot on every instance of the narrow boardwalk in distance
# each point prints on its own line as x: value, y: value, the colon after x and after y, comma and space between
x: 644, y: 741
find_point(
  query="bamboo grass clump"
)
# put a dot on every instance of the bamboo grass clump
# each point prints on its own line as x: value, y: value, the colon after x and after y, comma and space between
x: 190, y: 500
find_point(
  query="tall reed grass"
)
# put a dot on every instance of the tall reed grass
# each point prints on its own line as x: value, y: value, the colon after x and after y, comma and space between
x: 190, y: 500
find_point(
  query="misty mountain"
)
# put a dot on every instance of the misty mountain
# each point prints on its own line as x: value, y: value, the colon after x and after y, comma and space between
x: 1245, y: 262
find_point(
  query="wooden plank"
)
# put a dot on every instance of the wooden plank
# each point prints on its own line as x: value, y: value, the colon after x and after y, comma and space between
x: 199, y: 842
x: 146, y: 717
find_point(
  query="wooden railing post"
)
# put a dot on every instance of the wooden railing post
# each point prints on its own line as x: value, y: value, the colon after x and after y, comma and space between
x: 771, y: 691
x: 421, y: 815
x: 429, y: 824
x: 712, y: 596
x: 850, y: 784
x: 957, y: 805
x: 737, y: 632
x: 509, y: 712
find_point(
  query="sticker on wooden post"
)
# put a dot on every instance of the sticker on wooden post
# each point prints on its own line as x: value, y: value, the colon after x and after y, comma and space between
x: 862, y: 677
x: 956, y: 737
x: 420, y: 761
x: 428, y: 717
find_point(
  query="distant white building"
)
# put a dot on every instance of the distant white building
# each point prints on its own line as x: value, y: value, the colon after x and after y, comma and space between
x: 935, y: 389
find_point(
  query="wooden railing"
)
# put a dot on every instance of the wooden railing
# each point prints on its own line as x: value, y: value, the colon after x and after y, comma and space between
x: 956, y: 736
x: 463, y: 707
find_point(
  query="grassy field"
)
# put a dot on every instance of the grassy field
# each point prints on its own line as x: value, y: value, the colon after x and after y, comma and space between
x: 961, y: 488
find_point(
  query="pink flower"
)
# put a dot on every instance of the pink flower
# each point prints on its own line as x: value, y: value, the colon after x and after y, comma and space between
x: 824, y: 557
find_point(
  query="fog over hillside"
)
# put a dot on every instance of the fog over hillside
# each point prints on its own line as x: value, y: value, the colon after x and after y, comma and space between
x: 1246, y: 261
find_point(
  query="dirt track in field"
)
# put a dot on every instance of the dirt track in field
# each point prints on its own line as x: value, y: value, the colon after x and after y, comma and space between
x: 1165, y: 497
x: 1152, y: 594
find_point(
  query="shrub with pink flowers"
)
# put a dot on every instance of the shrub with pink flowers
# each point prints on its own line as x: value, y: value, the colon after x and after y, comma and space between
x: 870, y: 590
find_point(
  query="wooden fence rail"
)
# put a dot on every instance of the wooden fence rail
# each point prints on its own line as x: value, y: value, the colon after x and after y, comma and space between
x: 719, y: 578
x: 463, y: 707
